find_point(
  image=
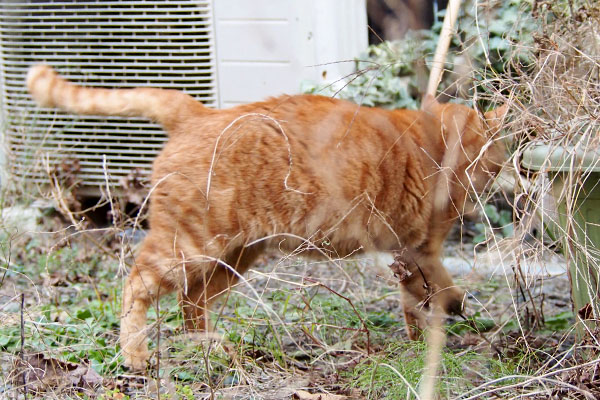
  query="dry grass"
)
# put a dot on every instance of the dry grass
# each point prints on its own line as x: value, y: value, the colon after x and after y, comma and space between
x: 293, y: 326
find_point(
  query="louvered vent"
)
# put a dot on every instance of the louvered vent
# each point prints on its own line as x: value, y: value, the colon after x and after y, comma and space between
x: 166, y: 44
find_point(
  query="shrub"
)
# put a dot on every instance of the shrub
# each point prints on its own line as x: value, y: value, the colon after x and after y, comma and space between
x: 492, y: 39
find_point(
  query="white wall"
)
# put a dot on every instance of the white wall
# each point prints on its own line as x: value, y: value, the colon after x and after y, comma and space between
x: 268, y: 47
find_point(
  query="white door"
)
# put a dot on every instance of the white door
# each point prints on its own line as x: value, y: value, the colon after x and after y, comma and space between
x: 268, y: 47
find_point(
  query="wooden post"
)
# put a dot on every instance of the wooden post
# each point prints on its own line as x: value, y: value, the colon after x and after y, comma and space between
x: 441, y: 51
x: 436, y: 336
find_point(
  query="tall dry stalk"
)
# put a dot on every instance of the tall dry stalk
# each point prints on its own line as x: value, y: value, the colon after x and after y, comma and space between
x: 559, y: 109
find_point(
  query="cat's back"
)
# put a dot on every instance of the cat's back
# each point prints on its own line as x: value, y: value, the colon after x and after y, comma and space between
x: 320, y: 113
x: 297, y: 164
x: 315, y: 134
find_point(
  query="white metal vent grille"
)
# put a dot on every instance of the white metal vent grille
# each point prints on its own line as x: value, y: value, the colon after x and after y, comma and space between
x: 168, y: 44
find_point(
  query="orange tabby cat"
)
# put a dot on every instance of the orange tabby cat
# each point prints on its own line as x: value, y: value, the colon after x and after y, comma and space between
x: 300, y: 173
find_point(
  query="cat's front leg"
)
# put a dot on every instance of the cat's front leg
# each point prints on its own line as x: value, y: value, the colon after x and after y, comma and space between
x: 415, y: 323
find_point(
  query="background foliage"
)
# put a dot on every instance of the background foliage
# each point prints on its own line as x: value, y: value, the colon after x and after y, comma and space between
x: 491, y: 37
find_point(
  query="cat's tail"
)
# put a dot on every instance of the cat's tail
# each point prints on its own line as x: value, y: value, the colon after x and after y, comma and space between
x: 164, y: 106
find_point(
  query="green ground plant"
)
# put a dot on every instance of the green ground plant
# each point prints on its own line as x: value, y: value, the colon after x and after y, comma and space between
x: 340, y: 331
x: 297, y: 328
x: 497, y: 222
x: 403, y: 362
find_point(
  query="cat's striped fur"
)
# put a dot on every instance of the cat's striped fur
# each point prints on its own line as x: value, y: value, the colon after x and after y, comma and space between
x: 298, y: 172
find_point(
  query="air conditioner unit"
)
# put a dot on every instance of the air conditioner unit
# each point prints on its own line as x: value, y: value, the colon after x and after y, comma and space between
x: 223, y: 52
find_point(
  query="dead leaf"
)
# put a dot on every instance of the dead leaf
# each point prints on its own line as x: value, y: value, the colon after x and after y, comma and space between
x: 586, y: 312
x: 134, y: 185
x: 65, y: 180
x: 470, y: 339
x: 40, y: 373
x: 66, y: 172
x: 55, y: 279
x: 400, y: 270
x: 304, y: 395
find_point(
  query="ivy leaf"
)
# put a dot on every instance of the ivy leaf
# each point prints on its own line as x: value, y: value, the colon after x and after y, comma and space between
x: 492, y: 213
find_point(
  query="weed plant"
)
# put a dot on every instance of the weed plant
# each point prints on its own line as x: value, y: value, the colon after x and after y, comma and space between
x: 336, y: 327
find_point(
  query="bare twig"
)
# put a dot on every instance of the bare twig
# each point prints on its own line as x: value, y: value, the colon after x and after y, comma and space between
x: 436, y: 339
x: 22, y: 351
x: 365, y: 329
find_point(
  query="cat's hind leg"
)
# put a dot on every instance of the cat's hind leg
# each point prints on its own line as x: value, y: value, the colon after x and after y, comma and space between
x: 207, y: 287
x: 147, y: 282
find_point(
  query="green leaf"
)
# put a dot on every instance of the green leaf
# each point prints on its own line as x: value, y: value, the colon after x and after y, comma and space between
x: 561, y: 321
x: 505, y: 217
x: 498, y: 45
x: 6, y: 340
x: 492, y: 212
x: 84, y: 314
x: 508, y: 230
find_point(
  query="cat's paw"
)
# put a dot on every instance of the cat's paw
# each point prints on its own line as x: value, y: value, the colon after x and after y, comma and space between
x: 136, y: 360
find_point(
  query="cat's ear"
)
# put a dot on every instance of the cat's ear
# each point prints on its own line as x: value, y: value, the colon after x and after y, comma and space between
x: 429, y: 103
x: 495, y: 118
